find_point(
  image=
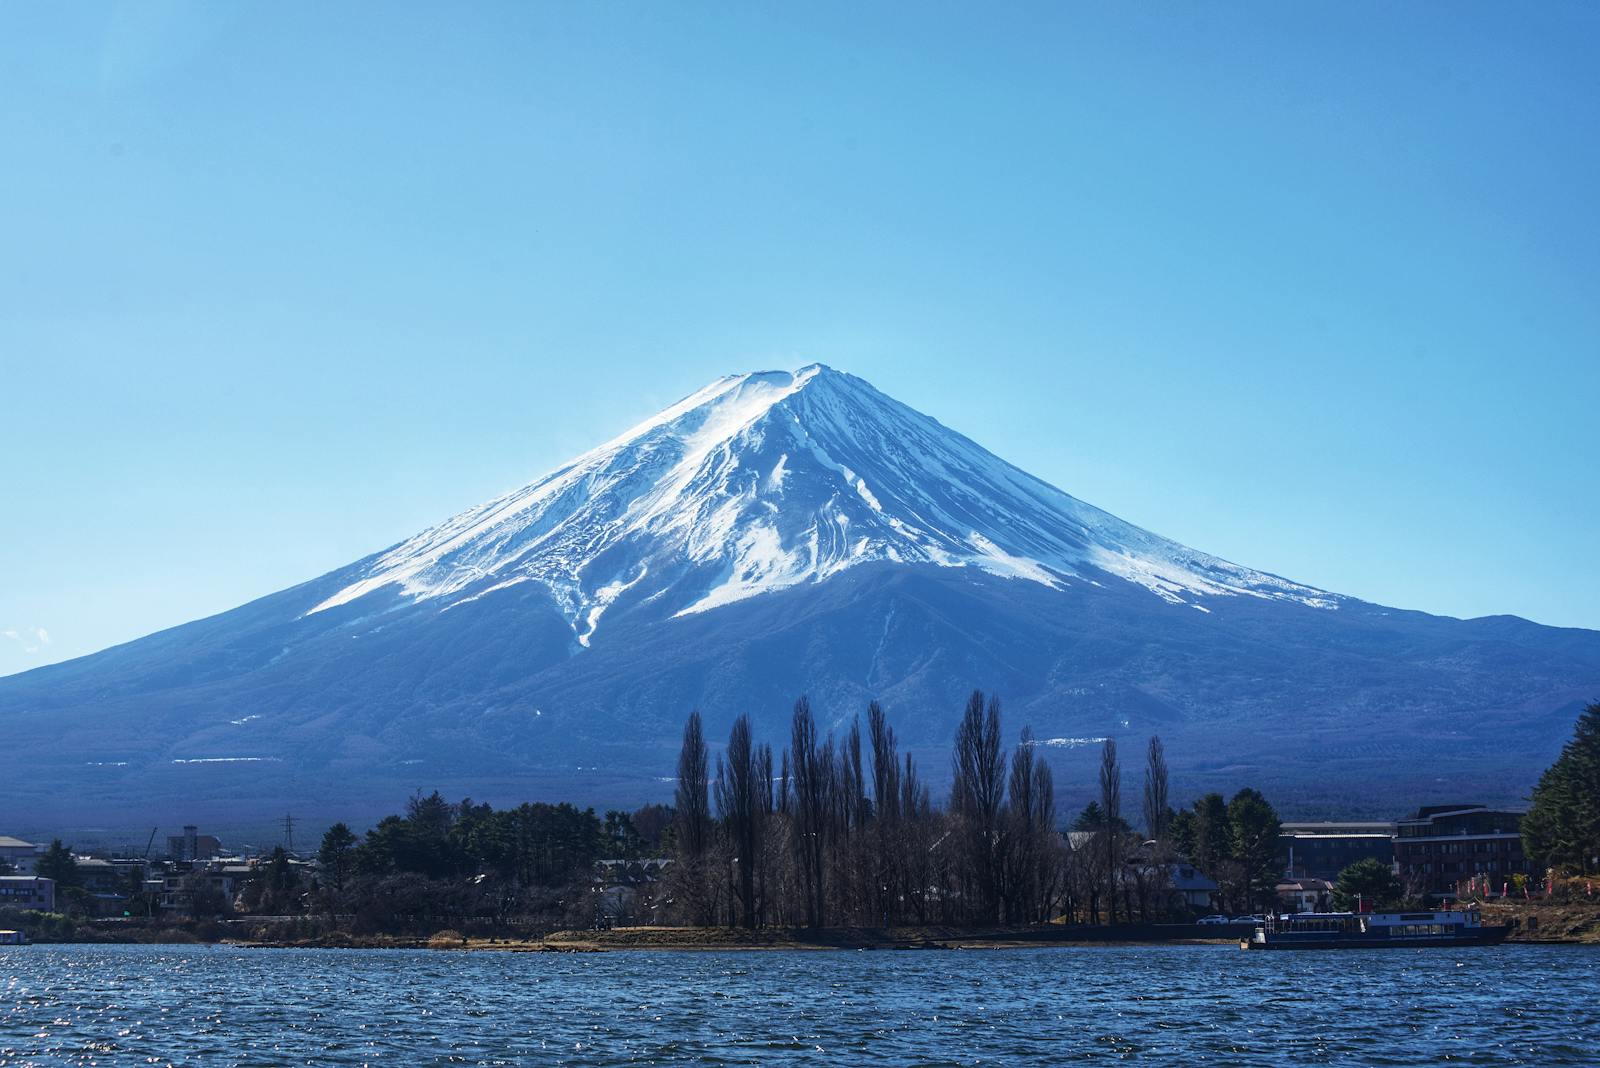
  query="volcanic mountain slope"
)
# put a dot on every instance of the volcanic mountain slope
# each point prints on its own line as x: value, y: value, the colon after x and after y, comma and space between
x: 772, y: 534
x: 761, y: 482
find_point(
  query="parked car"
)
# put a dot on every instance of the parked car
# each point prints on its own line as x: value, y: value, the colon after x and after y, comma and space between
x: 1213, y: 919
x: 1248, y: 919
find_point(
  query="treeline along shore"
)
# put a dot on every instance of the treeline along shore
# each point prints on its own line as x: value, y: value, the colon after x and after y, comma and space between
x: 828, y: 841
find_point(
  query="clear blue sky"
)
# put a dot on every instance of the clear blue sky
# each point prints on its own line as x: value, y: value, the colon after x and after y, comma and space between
x: 1315, y: 287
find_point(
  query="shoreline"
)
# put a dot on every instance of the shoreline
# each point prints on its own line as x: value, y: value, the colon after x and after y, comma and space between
x: 1541, y: 923
x: 778, y: 939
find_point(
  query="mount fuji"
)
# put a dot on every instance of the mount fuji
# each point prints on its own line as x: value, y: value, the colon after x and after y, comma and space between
x: 777, y: 533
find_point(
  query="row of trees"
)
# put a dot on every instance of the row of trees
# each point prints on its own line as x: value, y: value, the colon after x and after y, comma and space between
x: 437, y: 864
x: 843, y: 832
x: 467, y: 864
x: 1562, y: 827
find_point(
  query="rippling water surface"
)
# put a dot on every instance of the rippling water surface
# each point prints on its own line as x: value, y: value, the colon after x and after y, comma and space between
x: 1157, y: 1005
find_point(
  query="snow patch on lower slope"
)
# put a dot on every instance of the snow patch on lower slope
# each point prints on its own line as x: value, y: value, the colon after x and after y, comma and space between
x: 603, y: 599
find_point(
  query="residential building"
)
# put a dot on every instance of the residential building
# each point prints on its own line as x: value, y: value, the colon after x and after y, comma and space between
x: 28, y: 892
x: 625, y: 890
x: 1305, y: 895
x: 1195, y: 888
x: 1323, y: 850
x: 1443, y: 846
x: 20, y: 855
x: 192, y: 845
x: 100, y: 877
x: 225, y: 876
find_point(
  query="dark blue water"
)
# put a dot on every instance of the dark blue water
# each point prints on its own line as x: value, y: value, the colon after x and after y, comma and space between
x: 1170, y: 1005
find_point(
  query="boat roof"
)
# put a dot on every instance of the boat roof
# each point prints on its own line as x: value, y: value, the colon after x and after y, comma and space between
x: 1348, y: 915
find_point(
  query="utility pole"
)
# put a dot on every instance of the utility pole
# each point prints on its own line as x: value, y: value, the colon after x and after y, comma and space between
x: 288, y: 833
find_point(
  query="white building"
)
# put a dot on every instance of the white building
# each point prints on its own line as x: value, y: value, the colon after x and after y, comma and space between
x: 28, y: 892
x: 19, y: 854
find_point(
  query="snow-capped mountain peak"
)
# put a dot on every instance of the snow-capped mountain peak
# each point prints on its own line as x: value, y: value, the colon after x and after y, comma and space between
x: 763, y: 481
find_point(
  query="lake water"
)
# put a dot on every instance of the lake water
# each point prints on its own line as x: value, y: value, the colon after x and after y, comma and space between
x: 115, y: 1005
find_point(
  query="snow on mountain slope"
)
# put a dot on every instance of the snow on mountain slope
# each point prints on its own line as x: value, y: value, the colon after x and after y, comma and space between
x: 764, y: 481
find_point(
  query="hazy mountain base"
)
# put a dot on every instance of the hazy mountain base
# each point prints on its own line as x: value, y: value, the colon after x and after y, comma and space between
x: 1359, y: 711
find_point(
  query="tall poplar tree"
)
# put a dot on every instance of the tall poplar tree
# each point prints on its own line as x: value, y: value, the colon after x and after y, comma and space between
x: 1111, y: 812
x: 743, y: 814
x: 1156, y: 810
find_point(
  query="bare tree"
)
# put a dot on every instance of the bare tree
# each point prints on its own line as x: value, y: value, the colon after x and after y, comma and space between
x: 739, y: 789
x: 852, y: 814
x: 1048, y: 859
x: 812, y: 769
x: 1111, y: 811
x: 692, y: 805
x: 975, y: 801
x: 1024, y: 876
x: 692, y: 822
x: 1156, y: 810
x: 888, y: 837
x: 766, y: 787
x: 915, y: 857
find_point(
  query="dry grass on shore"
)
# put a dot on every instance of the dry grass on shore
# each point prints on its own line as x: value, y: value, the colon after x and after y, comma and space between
x: 790, y: 938
x: 1575, y: 921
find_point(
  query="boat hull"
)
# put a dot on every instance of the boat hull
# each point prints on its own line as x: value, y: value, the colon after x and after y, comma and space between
x: 1477, y: 936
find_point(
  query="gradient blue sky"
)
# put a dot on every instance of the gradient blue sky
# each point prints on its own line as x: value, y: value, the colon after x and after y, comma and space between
x: 1315, y: 287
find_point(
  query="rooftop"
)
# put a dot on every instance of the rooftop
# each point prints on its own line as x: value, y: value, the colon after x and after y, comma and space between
x: 1428, y: 813
x: 1317, y: 885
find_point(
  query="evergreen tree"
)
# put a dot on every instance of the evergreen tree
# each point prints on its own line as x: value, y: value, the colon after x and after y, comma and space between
x: 1370, y: 881
x: 58, y: 863
x: 1211, y: 845
x: 1253, y: 832
x: 622, y: 839
x: 1093, y: 820
x: 280, y: 882
x: 1181, y: 832
x: 1562, y: 827
x: 337, y: 855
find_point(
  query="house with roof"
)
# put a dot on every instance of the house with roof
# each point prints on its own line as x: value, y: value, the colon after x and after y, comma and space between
x: 19, y: 855
x: 1197, y: 890
x: 1305, y: 895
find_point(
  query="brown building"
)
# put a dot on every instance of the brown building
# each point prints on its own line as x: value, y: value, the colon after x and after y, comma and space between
x: 1443, y: 846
